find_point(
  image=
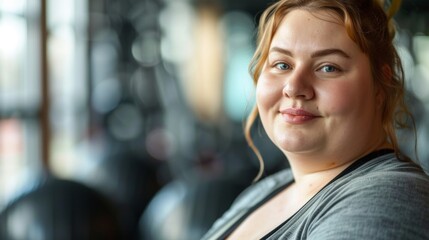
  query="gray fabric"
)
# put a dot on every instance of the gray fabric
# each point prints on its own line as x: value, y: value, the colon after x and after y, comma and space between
x: 381, y: 199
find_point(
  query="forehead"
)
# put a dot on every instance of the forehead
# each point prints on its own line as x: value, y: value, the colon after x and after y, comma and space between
x: 319, y: 29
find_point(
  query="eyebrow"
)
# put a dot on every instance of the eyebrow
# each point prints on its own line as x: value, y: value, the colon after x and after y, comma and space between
x: 320, y: 53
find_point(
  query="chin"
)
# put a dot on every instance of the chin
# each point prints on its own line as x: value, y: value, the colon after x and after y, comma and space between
x: 294, y: 146
x: 294, y: 142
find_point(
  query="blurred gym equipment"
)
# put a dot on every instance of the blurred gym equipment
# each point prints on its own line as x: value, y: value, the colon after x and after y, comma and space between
x: 59, y: 209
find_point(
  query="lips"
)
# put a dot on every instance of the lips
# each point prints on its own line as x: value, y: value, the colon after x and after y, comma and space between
x: 297, y: 115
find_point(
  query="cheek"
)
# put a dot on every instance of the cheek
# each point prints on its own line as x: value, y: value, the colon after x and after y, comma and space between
x: 338, y: 99
x: 267, y: 94
x: 346, y: 99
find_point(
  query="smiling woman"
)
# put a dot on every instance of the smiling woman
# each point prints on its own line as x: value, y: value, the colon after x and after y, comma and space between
x: 329, y: 93
x: 313, y: 114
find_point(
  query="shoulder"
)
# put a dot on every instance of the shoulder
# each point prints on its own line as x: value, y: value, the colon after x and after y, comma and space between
x: 261, y: 189
x: 386, y: 175
x: 390, y: 179
x: 389, y: 200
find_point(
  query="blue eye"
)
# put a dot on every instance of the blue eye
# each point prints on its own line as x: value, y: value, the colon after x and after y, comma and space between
x: 328, y: 69
x: 282, y: 66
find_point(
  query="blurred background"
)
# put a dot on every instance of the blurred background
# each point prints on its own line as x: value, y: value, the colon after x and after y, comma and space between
x: 122, y: 119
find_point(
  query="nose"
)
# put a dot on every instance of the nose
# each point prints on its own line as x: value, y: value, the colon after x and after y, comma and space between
x: 298, y: 85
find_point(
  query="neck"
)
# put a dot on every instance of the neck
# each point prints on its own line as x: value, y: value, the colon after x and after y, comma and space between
x: 309, y: 169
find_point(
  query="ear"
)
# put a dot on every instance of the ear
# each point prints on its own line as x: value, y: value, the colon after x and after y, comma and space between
x: 386, y: 77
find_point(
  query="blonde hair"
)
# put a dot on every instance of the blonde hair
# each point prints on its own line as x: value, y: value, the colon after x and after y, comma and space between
x: 372, y: 29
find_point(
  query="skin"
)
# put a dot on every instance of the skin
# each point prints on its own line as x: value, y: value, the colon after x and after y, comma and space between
x: 318, y: 104
x: 320, y: 70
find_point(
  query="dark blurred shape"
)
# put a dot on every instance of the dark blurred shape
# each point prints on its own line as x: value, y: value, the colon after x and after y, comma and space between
x: 129, y: 180
x: 59, y: 209
x: 187, y: 209
x: 127, y: 106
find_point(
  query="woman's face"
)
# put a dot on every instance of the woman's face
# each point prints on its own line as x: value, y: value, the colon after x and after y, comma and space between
x: 315, y: 94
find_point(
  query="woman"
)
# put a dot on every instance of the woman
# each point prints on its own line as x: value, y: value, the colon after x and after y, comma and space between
x: 329, y: 93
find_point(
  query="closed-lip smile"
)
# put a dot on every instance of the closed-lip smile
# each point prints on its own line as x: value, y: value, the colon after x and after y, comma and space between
x: 297, y: 115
